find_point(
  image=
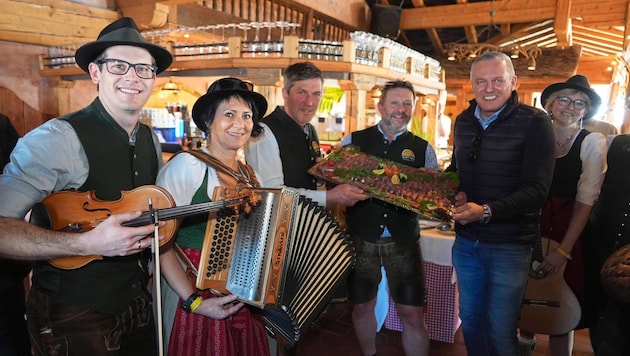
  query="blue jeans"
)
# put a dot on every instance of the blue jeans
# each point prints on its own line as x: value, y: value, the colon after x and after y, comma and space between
x: 491, y: 280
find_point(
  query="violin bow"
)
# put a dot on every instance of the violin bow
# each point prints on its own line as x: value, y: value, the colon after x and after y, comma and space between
x: 155, y: 250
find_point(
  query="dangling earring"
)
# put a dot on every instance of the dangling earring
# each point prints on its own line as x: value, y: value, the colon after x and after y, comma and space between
x: 581, y: 121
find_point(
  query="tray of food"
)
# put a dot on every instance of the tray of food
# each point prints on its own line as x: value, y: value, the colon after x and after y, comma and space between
x: 422, y: 190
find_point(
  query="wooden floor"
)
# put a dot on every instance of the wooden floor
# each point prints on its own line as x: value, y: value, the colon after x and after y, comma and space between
x: 333, y: 335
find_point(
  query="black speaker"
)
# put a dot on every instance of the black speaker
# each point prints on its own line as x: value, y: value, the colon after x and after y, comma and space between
x: 385, y: 20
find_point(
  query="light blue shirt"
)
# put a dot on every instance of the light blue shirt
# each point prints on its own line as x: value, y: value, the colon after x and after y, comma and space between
x: 492, y: 118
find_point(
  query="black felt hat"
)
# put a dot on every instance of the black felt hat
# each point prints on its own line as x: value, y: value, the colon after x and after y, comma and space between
x: 122, y: 32
x: 222, y: 89
x: 578, y: 82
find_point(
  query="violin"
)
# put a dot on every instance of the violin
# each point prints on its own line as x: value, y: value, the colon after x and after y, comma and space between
x: 74, y: 211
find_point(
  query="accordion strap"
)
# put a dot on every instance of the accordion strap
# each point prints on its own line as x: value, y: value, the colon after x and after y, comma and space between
x: 246, y: 176
x: 184, y: 258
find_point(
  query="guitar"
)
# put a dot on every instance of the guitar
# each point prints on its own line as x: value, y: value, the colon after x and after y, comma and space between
x: 549, y: 306
x: 73, y: 211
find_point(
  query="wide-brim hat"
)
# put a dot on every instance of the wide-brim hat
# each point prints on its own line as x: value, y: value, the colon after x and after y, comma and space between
x: 220, y: 90
x: 578, y: 82
x: 122, y: 32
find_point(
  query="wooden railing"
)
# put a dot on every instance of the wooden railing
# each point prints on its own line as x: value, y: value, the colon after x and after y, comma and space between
x: 314, y: 25
x: 347, y: 57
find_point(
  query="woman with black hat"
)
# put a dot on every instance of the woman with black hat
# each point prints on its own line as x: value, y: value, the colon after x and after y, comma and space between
x: 578, y: 176
x: 195, y: 321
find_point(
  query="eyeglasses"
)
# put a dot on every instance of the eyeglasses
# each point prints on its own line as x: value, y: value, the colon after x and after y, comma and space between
x: 120, y: 67
x: 578, y: 104
x: 233, y: 83
x: 474, y: 150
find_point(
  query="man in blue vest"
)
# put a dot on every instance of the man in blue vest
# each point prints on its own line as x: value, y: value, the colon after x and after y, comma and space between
x: 504, y: 156
x: 388, y: 235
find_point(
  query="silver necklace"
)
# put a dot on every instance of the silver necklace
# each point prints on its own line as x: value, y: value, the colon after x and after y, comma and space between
x: 563, y: 146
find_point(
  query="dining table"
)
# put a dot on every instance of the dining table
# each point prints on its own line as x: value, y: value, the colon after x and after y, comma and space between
x: 441, y: 311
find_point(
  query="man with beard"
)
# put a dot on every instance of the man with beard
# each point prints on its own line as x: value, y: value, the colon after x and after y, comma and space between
x: 386, y: 235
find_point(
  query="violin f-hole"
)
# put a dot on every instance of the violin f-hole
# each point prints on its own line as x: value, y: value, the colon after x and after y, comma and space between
x: 95, y: 210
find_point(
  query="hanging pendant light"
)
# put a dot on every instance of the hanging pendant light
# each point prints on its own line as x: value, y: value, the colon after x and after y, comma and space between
x: 170, y: 87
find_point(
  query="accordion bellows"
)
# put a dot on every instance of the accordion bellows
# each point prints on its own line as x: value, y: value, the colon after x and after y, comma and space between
x: 286, y: 257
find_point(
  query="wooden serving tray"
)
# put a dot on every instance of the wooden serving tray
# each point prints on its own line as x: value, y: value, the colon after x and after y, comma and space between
x: 422, y: 190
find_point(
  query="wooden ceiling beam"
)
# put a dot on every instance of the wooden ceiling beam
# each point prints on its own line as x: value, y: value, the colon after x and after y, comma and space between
x: 550, y: 42
x: 51, y: 22
x: 596, y: 51
x: 539, y: 39
x: 471, y: 31
x: 597, y: 42
x: 149, y: 16
x: 562, y: 22
x: 476, y: 14
x: 594, y: 13
x: 614, y: 36
x: 432, y: 34
x: 518, y: 33
x: 601, y: 13
x: 121, y: 4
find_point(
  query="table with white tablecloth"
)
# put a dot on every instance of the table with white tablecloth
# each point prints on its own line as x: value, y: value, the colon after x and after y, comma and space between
x: 442, y: 309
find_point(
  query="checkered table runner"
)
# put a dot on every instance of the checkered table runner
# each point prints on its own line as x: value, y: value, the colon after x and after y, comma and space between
x: 441, y: 312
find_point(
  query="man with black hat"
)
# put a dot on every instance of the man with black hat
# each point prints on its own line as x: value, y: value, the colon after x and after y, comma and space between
x: 103, y: 307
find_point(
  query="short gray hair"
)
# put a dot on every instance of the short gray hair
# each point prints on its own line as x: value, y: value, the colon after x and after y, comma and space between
x: 490, y: 56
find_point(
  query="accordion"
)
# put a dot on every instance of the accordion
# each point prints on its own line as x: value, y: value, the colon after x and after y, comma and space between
x: 285, y: 257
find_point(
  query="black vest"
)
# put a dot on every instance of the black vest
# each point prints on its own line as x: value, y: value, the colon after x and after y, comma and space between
x: 567, y: 170
x: 108, y: 285
x: 368, y: 218
x: 298, y: 150
x: 610, y: 218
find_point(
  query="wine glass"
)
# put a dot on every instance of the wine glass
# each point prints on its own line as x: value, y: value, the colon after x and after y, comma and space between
x: 268, y: 45
x: 256, y: 45
x: 245, y: 48
x: 222, y: 47
x: 280, y: 44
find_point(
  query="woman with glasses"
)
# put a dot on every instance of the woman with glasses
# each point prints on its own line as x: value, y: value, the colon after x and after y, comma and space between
x: 195, y: 321
x: 578, y: 176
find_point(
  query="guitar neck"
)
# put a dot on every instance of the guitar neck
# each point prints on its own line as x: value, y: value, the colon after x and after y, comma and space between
x: 147, y: 217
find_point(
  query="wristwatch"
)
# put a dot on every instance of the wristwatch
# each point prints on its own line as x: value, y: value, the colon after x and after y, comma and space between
x: 487, y: 214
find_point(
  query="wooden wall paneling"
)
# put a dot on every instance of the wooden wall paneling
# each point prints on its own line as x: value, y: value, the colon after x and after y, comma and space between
x: 13, y: 108
x: 23, y: 116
